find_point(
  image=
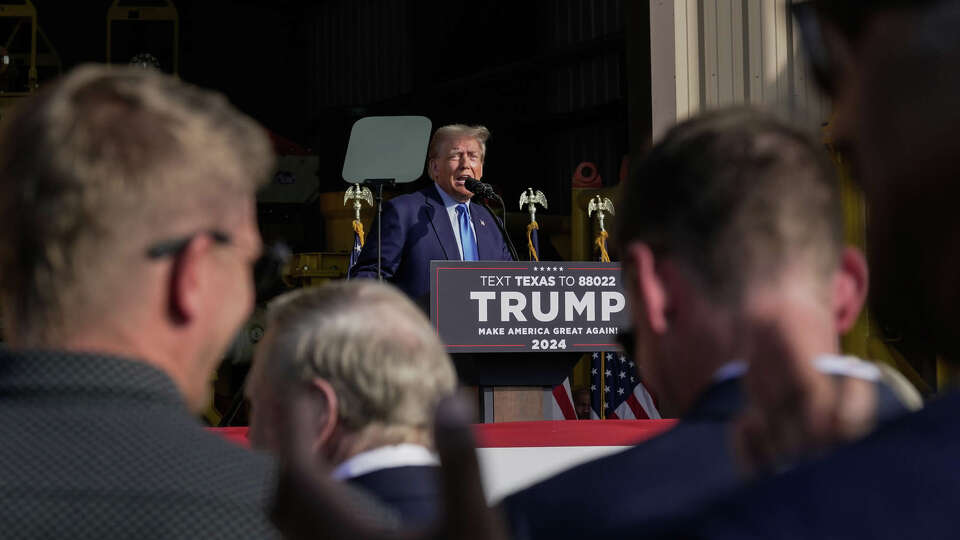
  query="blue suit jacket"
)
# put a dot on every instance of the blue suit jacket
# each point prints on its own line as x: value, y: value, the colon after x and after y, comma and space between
x: 646, y: 489
x: 413, y: 491
x: 903, y: 481
x: 417, y: 230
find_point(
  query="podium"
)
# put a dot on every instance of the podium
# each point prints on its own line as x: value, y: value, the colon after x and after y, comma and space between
x: 515, y: 329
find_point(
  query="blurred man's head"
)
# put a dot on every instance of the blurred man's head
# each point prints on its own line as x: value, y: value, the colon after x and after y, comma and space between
x: 455, y: 153
x: 890, y: 68
x: 128, y: 222
x: 370, y: 359
x: 730, y: 213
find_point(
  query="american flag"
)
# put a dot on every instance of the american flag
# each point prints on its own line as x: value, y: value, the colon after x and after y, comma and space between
x: 624, y: 395
x: 616, y: 389
x: 357, y: 245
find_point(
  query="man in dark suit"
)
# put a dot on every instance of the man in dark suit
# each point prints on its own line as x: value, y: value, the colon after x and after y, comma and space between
x: 891, y: 70
x: 438, y: 222
x: 713, y: 249
x: 128, y: 239
x: 375, y: 370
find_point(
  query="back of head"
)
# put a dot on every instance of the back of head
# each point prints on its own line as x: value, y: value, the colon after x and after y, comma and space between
x: 375, y: 348
x: 735, y: 195
x: 97, y: 166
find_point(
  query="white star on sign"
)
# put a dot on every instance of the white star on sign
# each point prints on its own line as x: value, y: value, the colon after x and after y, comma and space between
x: 596, y: 355
x: 608, y: 373
x: 606, y: 389
x: 623, y: 374
x: 620, y: 391
x: 593, y: 388
x: 561, y: 269
x: 593, y: 371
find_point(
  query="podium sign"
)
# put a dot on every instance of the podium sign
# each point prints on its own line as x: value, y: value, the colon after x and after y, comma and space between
x: 487, y: 306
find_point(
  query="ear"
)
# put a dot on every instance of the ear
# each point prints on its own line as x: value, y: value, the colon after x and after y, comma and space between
x: 652, y: 308
x: 434, y: 167
x: 326, y: 421
x: 186, y: 280
x: 850, y: 283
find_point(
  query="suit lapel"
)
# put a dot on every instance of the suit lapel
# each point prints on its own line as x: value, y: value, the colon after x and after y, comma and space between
x: 440, y: 221
x: 482, y: 223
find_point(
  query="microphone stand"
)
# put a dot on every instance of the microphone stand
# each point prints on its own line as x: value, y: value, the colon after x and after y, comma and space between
x: 377, y: 185
x: 502, y: 225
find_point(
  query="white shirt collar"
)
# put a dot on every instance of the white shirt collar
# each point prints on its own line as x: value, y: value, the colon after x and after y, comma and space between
x: 448, y: 201
x: 384, y: 457
x: 831, y: 364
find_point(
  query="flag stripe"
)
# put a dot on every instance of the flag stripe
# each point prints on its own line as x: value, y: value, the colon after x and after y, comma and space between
x: 562, y: 398
x: 637, y: 409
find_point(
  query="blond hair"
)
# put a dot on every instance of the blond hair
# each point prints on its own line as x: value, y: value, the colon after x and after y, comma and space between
x: 458, y: 131
x: 96, y: 166
x: 375, y: 348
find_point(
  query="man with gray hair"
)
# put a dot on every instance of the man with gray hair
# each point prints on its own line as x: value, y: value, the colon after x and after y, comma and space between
x: 438, y: 222
x: 374, y: 370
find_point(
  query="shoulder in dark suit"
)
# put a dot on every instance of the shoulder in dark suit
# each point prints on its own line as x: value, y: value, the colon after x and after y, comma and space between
x: 629, y: 491
x: 412, y: 491
x: 900, y: 482
x: 646, y: 488
x: 417, y: 230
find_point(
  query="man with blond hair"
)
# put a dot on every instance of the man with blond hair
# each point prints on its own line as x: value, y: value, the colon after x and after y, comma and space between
x: 438, y: 222
x: 127, y: 240
x: 374, y: 370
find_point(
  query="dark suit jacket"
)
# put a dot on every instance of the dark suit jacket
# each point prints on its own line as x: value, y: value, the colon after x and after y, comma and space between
x: 618, y: 495
x: 417, y: 230
x: 903, y: 481
x: 646, y: 488
x: 412, y: 491
x: 103, y: 447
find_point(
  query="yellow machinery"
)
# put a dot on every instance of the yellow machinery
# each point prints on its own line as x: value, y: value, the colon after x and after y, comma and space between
x: 144, y: 32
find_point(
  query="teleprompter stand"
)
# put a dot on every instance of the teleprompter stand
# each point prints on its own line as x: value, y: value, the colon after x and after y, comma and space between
x: 383, y: 151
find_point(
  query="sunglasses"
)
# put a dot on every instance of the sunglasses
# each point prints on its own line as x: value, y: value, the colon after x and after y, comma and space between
x: 169, y: 248
x: 267, y: 269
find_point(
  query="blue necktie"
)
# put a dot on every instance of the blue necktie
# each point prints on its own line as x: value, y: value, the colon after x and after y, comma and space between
x: 468, y: 245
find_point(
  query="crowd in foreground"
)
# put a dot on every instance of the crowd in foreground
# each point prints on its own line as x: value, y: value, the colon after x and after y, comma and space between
x: 128, y: 237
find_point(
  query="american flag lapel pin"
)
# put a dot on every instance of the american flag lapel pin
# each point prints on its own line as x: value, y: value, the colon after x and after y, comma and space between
x: 482, y: 224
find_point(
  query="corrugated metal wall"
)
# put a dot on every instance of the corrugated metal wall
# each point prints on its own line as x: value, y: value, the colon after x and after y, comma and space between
x: 592, y: 82
x: 552, y: 85
x: 363, y: 52
x: 733, y: 52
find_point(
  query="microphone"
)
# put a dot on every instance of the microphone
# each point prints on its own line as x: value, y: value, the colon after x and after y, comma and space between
x: 479, y: 188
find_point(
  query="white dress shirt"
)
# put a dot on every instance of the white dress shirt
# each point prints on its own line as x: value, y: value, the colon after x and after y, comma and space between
x: 455, y: 219
x: 831, y: 364
x: 385, y: 457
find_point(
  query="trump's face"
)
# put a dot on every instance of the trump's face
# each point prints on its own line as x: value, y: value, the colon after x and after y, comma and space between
x: 456, y: 160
